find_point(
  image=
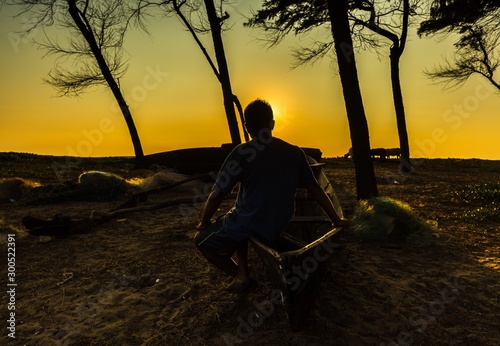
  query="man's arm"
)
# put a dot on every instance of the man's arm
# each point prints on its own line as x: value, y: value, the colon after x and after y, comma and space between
x: 211, y: 205
x: 326, y: 204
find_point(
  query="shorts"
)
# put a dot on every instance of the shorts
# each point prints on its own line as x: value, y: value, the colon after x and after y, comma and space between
x: 215, y: 239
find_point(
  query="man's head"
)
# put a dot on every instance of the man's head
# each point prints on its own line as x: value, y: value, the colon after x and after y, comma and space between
x: 258, y: 116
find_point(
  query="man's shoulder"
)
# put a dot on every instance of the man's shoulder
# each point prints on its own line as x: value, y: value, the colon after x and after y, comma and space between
x: 284, y: 144
x: 277, y: 146
x: 291, y: 150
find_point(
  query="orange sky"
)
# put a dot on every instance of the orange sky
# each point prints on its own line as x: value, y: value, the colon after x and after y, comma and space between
x: 176, y: 101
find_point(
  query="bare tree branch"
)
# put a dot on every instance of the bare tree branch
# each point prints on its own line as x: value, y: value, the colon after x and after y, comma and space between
x: 476, y: 53
x: 92, y: 52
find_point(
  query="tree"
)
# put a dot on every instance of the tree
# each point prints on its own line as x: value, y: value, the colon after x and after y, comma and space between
x: 476, y: 49
x: 212, y: 21
x: 448, y: 15
x: 284, y: 16
x: 374, y: 23
x: 215, y: 28
x: 379, y: 17
x: 95, y: 43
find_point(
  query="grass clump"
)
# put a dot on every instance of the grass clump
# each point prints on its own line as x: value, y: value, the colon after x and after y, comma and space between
x: 479, y: 193
x: 483, y: 201
x: 386, y: 219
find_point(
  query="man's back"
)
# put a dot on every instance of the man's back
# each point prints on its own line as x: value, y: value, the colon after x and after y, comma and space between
x: 269, y: 172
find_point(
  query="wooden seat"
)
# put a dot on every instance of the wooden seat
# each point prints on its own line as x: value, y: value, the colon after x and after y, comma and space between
x: 317, y: 219
x: 297, y: 261
x: 297, y: 269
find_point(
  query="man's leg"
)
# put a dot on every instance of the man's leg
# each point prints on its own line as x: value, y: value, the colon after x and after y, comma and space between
x: 217, y: 249
x: 226, y: 264
x: 241, y: 280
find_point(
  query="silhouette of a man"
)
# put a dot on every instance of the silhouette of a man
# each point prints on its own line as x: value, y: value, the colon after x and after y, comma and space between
x: 269, y: 171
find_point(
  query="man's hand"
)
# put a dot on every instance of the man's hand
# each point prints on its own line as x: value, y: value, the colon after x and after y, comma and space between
x: 326, y: 204
x: 202, y: 225
x: 211, y: 205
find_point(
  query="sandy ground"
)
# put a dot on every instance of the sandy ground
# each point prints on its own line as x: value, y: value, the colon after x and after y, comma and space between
x: 137, y: 280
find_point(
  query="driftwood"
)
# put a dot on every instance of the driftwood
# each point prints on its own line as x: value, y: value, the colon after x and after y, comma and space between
x: 65, y: 225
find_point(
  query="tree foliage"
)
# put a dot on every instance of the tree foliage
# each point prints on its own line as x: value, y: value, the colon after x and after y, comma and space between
x: 105, y: 21
x: 451, y: 15
x: 76, y: 67
x: 477, y: 49
x: 280, y: 18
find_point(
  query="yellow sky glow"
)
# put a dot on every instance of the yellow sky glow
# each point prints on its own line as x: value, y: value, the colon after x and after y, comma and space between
x: 176, y: 101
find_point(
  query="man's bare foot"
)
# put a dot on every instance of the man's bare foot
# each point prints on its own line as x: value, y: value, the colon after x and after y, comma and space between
x: 240, y: 285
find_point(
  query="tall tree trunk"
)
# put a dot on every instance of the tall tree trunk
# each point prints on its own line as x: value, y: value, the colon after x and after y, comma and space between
x: 215, y: 28
x: 242, y: 118
x: 397, y: 48
x: 366, y: 184
x: 395, y: 56
x: 177, y: 8
x: 87, y: 33
x: 400, y: 111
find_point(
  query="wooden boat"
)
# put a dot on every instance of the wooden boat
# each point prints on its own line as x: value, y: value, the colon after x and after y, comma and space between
x: 297, y: 262
x: 200, y: 160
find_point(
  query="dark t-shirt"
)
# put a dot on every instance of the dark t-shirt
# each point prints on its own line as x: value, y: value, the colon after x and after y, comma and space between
x: 269, y: 171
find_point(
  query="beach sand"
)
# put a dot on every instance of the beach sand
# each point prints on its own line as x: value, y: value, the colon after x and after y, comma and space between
x: 137, y: 280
